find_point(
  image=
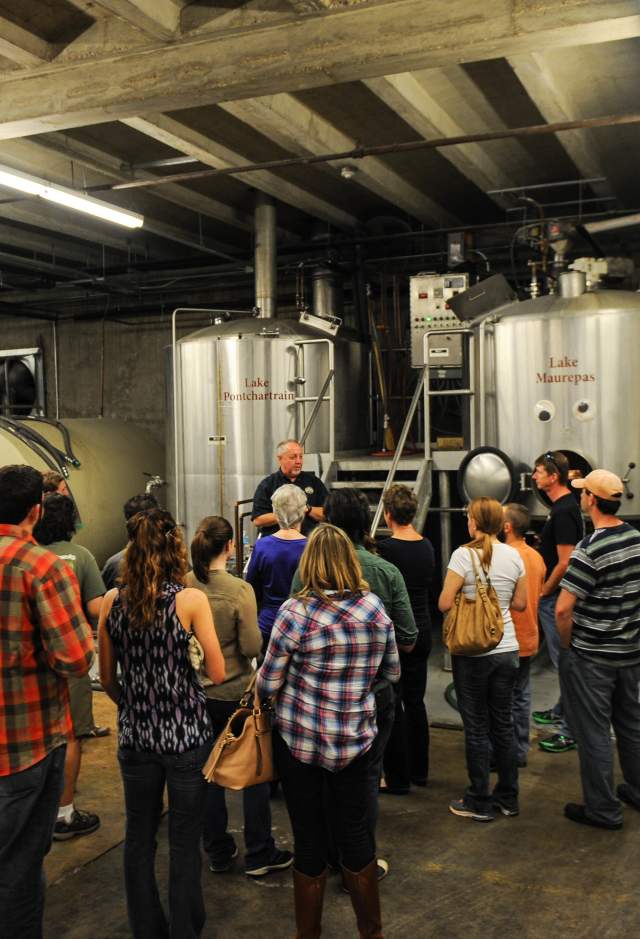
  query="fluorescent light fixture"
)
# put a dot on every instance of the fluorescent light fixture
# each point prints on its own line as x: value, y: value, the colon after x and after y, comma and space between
x: 68, y: 198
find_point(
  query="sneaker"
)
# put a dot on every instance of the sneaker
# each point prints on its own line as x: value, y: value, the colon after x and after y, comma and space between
x: 577, y: 813
x: 460, y: 807
x: 624, y: 792
x: 545, y: 717
x: 220, y: 867
x: 508, y: 810
x: 558, y: 743
x: 278, y: 861
x: 82, y: 823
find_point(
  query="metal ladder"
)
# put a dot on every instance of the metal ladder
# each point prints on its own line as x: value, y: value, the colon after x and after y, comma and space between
x: 423, y: 486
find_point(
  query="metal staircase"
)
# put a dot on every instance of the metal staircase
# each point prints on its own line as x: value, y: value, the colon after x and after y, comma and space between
x: 370, y: 473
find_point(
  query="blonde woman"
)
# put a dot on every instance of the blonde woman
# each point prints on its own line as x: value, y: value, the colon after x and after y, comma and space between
x: 329, y: 643
x: 484, y: 683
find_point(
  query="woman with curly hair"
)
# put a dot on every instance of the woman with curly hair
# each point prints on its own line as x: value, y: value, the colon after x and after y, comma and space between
x: 165, y: 733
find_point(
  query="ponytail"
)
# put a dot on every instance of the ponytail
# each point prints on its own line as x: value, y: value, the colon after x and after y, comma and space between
x: 488, y: 516
x: 209, y: 541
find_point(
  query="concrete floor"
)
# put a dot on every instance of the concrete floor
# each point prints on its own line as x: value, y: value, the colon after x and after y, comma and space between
x: 534, y: 876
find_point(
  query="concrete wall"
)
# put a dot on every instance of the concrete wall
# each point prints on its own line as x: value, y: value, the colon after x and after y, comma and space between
x: 104, y: 370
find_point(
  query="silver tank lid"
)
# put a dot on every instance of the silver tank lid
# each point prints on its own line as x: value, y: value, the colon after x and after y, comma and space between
x: 596, y: 302
x: 254, y: 327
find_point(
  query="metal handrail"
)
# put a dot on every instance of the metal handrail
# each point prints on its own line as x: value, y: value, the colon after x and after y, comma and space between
x: 320, y: 399
x: 238, y: 524
x: 399, y: 449
x: 314, y: 413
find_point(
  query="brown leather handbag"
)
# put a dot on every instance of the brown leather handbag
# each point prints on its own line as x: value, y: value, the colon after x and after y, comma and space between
x: 472, y: 627
x: 242, y: 756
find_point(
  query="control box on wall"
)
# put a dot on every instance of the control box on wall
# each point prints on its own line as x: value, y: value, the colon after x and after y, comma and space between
x: 429, y: 310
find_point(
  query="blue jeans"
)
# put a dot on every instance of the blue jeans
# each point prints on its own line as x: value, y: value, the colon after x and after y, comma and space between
x: 28, y: 810
x: 522, y: 708
x: 484, y: 691
x: 217, y: 842
x: 547, y: 618
x: 597, y: 696
x: 144, y: 776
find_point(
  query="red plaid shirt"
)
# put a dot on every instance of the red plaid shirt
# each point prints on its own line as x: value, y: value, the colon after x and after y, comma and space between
x: 44, y: 639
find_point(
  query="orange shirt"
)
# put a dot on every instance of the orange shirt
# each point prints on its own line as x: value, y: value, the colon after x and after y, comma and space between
x: 526, y: 622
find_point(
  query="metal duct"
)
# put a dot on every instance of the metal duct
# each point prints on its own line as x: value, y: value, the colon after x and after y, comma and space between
x: 612, y: 224
x: 265, y: 255
x: 572, y: 283
x: 325, y: 292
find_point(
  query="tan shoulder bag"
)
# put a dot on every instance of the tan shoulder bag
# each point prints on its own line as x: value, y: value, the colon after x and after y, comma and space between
x: 242, y: 756
x: 472, y: 627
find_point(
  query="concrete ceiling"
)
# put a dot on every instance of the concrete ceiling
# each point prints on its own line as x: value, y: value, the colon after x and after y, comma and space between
x: 92, y: 89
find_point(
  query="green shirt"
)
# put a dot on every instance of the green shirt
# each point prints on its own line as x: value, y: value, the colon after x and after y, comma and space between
x: 387, y: 582
x: 84, y: 565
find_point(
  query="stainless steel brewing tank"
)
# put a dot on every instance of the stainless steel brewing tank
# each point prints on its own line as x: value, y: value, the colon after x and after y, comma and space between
x: 240, y: 390
x: 564, y: 374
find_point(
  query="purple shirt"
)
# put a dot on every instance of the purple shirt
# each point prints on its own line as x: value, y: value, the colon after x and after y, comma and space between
x: 270, y: 572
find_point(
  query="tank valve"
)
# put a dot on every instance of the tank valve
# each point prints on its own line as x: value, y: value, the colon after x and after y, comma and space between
x: 625, y: 480
x: 154, y: 482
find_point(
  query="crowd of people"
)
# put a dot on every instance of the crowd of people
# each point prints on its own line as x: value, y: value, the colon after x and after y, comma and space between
x: 338, y: 629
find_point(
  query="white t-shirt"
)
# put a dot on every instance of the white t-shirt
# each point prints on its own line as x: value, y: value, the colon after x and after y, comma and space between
x: 505, y: 571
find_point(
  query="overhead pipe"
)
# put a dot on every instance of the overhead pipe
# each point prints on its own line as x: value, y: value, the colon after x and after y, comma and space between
x: 358, y: 153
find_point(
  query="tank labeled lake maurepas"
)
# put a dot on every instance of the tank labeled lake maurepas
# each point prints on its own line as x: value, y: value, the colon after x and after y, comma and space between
x: 244, y: 386
x: 562, y: 374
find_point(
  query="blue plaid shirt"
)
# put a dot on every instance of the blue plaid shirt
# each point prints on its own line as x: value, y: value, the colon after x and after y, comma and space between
x: 321, y: 663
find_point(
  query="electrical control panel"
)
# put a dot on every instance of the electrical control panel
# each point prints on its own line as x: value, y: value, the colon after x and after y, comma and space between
x: 429, y: 310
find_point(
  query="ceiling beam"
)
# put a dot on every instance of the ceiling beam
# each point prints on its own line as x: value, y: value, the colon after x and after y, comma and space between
x: 157, y: 18
x: 296, y: 127
x: 110, y: 166
x: 192, y: 143
x: 46, y: 246
x: 337, y: 45
x: 446, y: 103
x: 33, y: 157
x: 555, y: 104
x: 22, y: 47
x: 41, y: 215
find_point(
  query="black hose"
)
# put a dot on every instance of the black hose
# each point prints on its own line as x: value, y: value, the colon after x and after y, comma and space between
x: 31, y: 444
x: 64, y: 431
x: 27, y: 433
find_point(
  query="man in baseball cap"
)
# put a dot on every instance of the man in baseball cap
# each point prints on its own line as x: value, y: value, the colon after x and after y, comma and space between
x: 598, y: 620
x: 601, y: 483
